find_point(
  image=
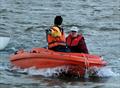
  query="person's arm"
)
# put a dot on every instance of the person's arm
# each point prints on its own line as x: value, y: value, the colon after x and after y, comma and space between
x: 82, y: 46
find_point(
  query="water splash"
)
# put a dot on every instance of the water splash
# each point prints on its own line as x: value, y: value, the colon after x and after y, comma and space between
x: 86, y: 73
x: 46, y: 72
x: 57, y: 71
x: 104, y: 72
x: 4, y: 42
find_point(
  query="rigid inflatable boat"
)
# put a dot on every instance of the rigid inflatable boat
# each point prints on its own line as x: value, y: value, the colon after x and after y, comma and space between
x: 42, y: 58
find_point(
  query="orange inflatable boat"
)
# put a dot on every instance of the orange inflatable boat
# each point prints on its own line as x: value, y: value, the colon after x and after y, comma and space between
x: 44, y: 58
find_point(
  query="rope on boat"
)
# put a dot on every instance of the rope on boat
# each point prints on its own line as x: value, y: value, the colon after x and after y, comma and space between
x: 86, y: 66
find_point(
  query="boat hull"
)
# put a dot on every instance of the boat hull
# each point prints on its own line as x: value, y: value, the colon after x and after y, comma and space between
x: 43, y: 58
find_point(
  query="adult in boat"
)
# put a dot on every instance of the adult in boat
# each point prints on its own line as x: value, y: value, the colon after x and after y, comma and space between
x: 56, y: 36
x: 76, y: 41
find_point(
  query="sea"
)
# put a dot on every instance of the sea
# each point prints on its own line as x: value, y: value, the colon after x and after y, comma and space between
x: 25, y: 21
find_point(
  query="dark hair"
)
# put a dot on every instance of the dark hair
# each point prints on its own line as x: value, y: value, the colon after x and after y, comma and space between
x: 58, y: 20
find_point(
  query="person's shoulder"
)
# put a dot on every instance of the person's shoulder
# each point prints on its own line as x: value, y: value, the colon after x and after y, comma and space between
x: 80, y: 34
x: 54, y: 27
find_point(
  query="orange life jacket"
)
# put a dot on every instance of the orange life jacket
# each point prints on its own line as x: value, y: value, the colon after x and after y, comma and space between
x: 73, y: 41
x: 55, y: 41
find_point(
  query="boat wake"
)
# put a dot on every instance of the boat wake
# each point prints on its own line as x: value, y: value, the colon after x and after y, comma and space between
x: 64, y: 71
x: 46, y: 72
x: 103, y: 72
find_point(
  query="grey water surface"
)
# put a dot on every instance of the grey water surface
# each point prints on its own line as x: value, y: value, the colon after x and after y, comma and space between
x: 26, y: 21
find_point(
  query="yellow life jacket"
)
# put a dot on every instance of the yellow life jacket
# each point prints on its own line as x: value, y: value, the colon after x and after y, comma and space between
x: 56, y: 37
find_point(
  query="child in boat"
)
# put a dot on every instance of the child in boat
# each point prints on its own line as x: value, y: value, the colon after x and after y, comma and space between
x: 76, y: 41
x: 56, y: 37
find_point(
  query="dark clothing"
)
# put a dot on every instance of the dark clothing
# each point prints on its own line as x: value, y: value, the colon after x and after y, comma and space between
x: 60, y: 48
x: 77, y: 44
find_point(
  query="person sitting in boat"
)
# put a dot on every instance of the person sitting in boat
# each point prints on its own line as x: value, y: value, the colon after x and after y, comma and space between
x: 56, y: 36
x: 76, y: 41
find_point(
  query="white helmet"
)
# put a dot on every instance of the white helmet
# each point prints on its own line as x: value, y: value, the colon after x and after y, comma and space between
x: 74, y: 29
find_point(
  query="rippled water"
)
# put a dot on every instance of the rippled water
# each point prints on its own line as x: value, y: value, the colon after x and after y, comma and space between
x: 26, y: 20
